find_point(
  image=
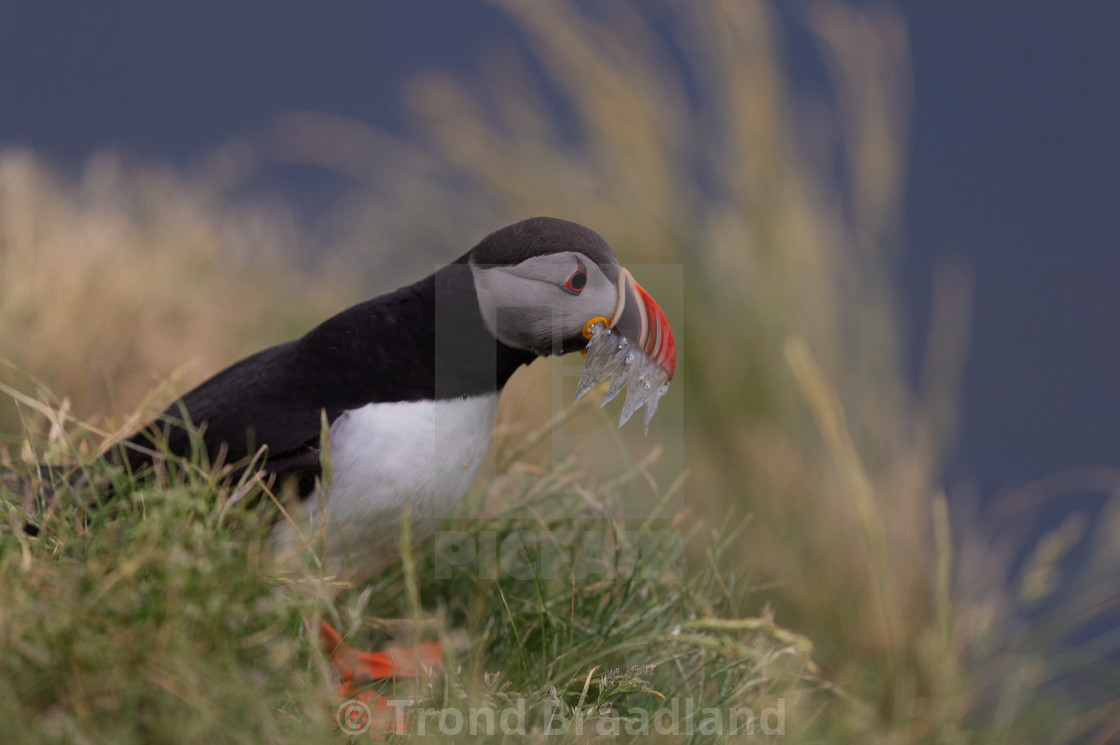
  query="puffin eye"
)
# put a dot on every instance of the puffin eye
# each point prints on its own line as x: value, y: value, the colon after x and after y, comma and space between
x: 576, y: 282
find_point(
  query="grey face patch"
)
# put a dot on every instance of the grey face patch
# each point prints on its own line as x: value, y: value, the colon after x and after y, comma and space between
x: 526, y: 305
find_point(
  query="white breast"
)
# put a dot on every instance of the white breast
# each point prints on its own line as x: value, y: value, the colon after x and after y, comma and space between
x: 422, y: 454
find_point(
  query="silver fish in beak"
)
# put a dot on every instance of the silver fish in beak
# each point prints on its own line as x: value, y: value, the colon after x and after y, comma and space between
x: 634, y: 348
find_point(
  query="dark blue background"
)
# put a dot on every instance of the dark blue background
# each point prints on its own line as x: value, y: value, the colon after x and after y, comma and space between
x: 1014, y: 162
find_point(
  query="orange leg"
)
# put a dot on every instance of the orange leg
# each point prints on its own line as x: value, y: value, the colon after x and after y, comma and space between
x: 362, y: 668
x: 363, y: 709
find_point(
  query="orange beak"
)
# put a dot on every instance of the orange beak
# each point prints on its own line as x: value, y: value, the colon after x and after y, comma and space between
x: 638, y: 318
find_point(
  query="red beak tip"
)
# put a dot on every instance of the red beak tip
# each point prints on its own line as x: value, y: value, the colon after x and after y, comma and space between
x: 659, y: 343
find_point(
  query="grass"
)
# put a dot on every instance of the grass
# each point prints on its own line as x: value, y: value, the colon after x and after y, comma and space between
x: 164, y: 615
x: 152, y: 618
x: 813, y: 508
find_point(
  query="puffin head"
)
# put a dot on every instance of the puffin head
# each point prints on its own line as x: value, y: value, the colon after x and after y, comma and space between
x: 542, y: 283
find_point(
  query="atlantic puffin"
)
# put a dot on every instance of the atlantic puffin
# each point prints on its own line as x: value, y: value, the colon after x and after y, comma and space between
x: 408, y: 384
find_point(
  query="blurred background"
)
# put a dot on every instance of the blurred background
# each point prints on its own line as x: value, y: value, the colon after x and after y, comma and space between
x: 889, y: 239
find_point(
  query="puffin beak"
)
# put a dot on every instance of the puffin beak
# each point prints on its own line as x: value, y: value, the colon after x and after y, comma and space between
x: 638, y: 318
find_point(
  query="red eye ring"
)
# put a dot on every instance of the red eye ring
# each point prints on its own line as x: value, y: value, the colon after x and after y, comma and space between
x: 576, y: 282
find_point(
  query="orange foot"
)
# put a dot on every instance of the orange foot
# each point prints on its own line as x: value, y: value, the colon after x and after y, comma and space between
x: 363, y: 668
x: 358, y: 671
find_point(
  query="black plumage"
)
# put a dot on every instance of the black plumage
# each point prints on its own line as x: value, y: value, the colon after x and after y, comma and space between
x: 426, y: 341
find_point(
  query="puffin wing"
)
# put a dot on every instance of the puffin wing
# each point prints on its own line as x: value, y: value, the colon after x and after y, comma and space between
x: 256, y: 402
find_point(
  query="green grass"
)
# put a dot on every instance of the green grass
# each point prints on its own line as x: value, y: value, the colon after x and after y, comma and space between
x: 154, y: 618
x: 163, y: 616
